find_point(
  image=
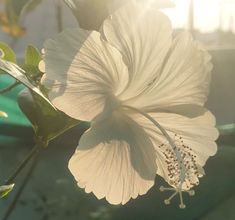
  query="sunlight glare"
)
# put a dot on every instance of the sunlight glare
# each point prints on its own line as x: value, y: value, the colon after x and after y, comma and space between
x: 178, y: 14
x: 206, y: 15
x: 209, y: 15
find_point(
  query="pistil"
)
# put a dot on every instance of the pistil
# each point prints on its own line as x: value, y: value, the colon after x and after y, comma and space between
x: 178, y: 189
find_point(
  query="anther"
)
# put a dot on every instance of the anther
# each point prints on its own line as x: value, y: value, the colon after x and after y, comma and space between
x: 174, y: 157
x: 161, y: 188
x: 191, y: 192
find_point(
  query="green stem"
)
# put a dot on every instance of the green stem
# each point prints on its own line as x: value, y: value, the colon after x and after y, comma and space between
x: 9, y: 88
x: 34, y: 151
x: 20, y: 190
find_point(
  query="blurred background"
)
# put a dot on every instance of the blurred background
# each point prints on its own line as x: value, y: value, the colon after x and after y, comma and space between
x: 52, y: 193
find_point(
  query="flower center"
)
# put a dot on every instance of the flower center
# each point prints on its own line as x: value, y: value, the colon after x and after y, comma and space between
x: 174, y: 167
x: 112, y: 104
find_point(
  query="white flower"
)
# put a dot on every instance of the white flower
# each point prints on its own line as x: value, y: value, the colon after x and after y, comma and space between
x: 144, y: 92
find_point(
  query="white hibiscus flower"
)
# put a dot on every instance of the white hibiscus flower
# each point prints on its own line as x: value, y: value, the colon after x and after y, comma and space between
x: 144, y: 91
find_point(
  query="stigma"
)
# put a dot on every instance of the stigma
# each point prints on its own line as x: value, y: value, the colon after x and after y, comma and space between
x: 176, y: 191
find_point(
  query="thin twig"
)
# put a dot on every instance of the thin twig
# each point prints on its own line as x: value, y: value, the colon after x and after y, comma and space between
x: 20, y: 190
x: 22, y: 165
x: 9, y: 88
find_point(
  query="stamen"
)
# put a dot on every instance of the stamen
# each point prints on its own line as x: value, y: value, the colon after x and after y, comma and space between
x: 169, y: 139
x: 191, y: 192
x: 181, y: 163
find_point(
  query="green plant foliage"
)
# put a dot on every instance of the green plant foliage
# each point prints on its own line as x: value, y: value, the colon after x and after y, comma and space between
x: 5, y: 190
x: 48, y: 123
x: 32, y: 56
x: 19, y: 74
x: 7, y: 53
x: 32, y: 59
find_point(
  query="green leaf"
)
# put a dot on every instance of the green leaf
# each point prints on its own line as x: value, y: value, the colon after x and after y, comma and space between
x: 7, y: 53
x: 20, y: 75
x: 32, y: 72
x: 32, y: 59
x: 5, y: 190
x: 48, y: 123
x: 32, y: 56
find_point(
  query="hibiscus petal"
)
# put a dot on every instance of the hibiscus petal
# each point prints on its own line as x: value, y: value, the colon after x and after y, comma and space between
x: 115, y: 159
x: 194, y: 139
x: 143, y: 36
x: 83, y: 73
x: 185, y: 77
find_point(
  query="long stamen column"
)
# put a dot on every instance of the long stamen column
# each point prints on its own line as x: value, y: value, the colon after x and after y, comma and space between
x: 180, y: 161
